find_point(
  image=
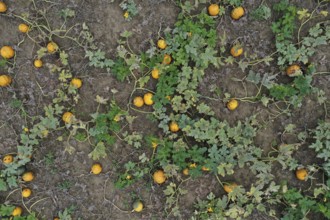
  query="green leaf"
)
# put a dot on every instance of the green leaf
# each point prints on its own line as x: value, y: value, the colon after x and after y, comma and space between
x: 3, y: 185
x: 98, y: 152
x: 253, y: 77
x: 126, y: 34
x: 67, y: 13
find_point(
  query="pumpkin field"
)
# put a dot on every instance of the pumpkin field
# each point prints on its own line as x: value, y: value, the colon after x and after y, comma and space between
x: 165, y: 109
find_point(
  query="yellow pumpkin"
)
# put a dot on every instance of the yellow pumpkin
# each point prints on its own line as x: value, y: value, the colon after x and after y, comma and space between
x: 161, y: 44
x: 174, y: 127
x: 213, y: 9
x: 167, y: 59
x: 96, y: 168
x: 293, y: 70
x: 26, y: 192
x: 24, y: 28
x: 232, y: 104
x: 67, y: 117
x: 147, y: 98
x: 237, y: 13
x: 229, y: 187
x: 3, y: 7
x: 8, y: 159
x: 159, y: 177
x: 236, y: 50
x: 52, y: 47
x: 7, y: 52
x: 301, y: 174
x: 37, y: 63
x: 17, y: 211
x: 5, y: 80
x: 155, y: 73
x: 76, y: 82
x: 138, y: 101
x: 138, y: 206
x: 28, y: 176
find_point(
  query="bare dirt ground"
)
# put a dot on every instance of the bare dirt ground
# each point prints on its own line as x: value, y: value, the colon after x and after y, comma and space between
x: 63, y: 179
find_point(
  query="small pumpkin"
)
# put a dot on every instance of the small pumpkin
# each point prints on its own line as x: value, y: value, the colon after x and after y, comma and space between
x: 3, y: 7
x: 301, y: 174
x: 67, y: 117
x: 17, y: 211
x: 5, y: 80
x: 213, y: 9
x: 28, y: 176
x: 138, y: 101
x: 159, y: 176
x: 26, y: 192
x: 155, y: 73
x: 174, y: 127
x: 293, y: 70
x: 236, y: 50
x: 229, y: 187
x: 7, y: 52
x: 232, y: 104
x: 237, y: 13
x: 96, y: 168
x: 76, y: 82
x: 147, y: 98
x: 138, y: 206
x: 38, y: 63
x: 23, y: 28
x: 161, y: 44
x: 8, y: 159
x: 167, y: 59
x: 52, y: 47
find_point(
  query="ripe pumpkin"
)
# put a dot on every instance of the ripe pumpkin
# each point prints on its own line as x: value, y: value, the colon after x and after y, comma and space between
x: 24, y: 28
x: 138, y: 101
x: 3, y: 7
x: 213, y: 9
x: 76, y: 82
x: 167, y: 59
x: 232, y: 104
x: 204, y: 168
x: 37, y: 63
x: 155, y: 73
x: 193, y: 165
x: 229, y: 187
x: 5, y: 80
x: 161, y: 44
x: 56, y: 218
x: 17, y: 211
x: 301, y: 174
x: 185, y: 171
x: 26, y: 192
x: 293, y: 70
x: 67, y: 117
x: 28, y: 176
x: 236, y: 50
x: 154, y: 144
x: 138, y: 206
x: 159, y: 177
x: 147, y: 98
x: 8, y: 159
x: 96, y: 168
x: 174, y: 127
x: 52, y: 47
x: 7, y: 52
x: 237, y: 13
